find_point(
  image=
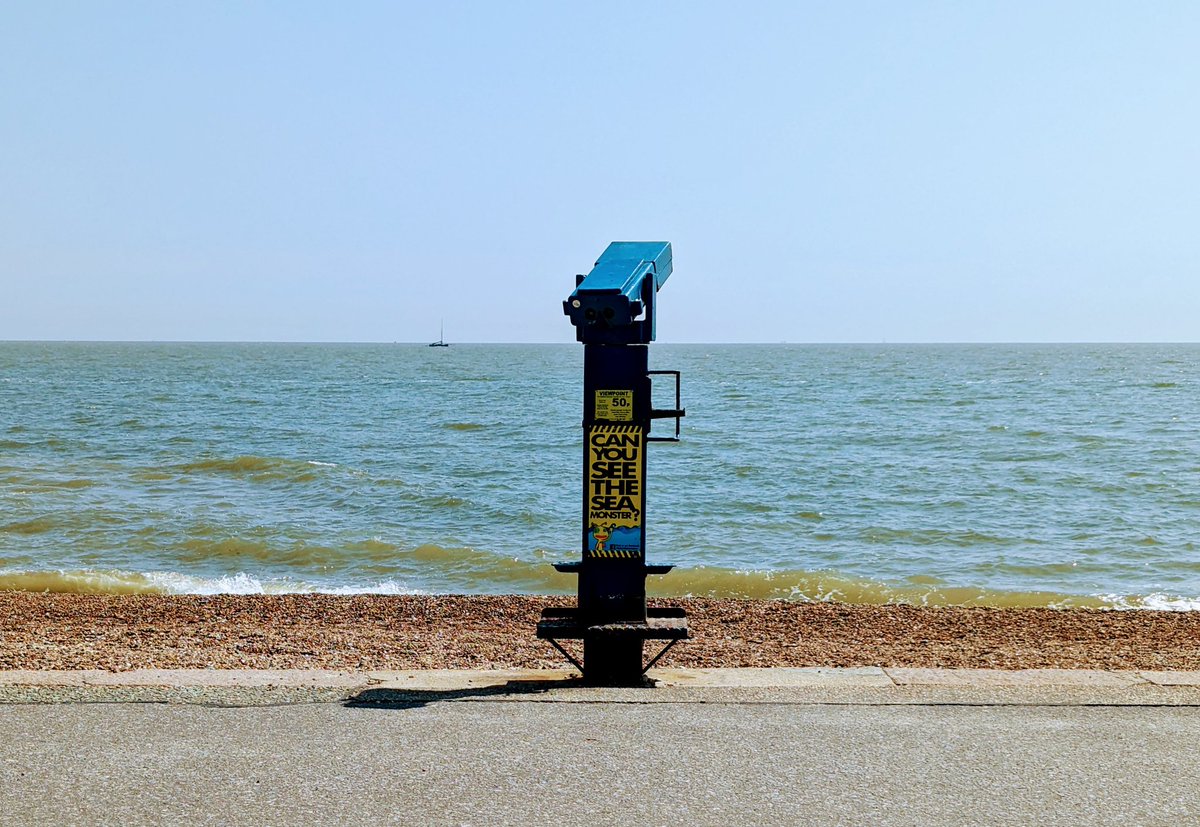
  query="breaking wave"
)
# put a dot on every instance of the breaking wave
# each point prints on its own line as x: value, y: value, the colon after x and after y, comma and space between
x: 465, y: 570
x: 124, y: 582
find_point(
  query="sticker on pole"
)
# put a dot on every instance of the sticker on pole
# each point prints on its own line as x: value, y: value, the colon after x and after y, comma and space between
x: 615, y: 406
x: 614, y: 490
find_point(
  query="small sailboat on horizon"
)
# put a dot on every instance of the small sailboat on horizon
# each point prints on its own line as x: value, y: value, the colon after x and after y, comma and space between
x: 441, y: 342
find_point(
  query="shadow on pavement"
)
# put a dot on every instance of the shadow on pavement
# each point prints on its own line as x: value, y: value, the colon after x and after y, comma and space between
x: 400, y: 698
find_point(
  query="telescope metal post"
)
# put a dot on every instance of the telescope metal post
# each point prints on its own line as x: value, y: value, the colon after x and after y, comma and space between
x: 612, y: 578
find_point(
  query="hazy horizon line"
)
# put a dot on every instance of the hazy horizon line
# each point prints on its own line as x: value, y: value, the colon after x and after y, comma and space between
x: 697, y: 343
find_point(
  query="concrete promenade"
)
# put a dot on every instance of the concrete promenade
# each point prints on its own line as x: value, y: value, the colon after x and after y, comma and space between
x: 747, y: 746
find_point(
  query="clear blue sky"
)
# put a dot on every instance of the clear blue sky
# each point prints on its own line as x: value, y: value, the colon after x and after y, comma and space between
x: 826, y: 171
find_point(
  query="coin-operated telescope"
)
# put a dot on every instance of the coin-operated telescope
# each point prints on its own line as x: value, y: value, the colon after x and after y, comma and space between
x: 613, y: 309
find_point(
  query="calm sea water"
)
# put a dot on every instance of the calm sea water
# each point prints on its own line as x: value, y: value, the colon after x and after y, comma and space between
x: 994, y: 474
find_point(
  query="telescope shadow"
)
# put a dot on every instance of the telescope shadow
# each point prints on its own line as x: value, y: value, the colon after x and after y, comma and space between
x: 383, y: 697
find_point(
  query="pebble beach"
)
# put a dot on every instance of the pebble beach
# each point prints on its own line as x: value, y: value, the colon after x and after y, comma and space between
x: 44, y: 631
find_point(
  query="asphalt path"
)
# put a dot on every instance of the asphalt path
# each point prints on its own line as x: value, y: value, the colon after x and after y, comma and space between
x: 513, y: 759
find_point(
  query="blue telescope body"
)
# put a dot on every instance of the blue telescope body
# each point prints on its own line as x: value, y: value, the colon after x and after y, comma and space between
x: 614, y: 304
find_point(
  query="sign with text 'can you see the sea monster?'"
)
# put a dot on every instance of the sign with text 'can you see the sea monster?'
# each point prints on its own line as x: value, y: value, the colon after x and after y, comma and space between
x: 614, y: 490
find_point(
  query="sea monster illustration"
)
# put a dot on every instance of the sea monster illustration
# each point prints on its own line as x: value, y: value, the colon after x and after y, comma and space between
x: 601, y: 533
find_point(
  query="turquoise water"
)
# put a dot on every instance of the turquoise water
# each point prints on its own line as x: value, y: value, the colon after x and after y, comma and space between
x: 964, y: 474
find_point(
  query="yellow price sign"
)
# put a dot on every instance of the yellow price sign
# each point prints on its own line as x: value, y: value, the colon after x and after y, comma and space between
x: 615, y: 406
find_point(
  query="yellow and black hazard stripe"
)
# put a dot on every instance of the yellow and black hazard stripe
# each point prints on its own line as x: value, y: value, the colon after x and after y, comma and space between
x: 617, y: 429
x: 627, y: 554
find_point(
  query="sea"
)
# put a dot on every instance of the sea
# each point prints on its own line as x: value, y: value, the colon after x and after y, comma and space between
x: 977, y: 475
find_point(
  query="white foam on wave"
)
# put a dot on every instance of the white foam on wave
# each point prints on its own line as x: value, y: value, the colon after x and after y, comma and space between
x: 113, y: 581
x: 243, y: 583
x: 175, y: 583
x: 382, y: 587
x: 322, y: 464
x: 1157, y: 601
